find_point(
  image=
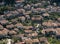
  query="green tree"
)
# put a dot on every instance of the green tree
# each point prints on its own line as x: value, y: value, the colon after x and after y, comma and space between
x: 9, y: 2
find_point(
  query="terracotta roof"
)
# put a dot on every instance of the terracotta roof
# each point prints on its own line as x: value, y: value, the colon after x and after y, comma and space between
x: 43, y: 9
x: 29, y: 35
x: 54, y: 24
x: 15, y: 12
x: 47, y: 24
x: 58, y: 24
x: 57, y: 31
x: 28, y: 31
x: 27, y: 13
x: 50, y: 23
x: 2, y: 17
x: 9, y: 14
x: 10, y: 26
x: 35, y: 40
x: 58, y: 19
x: 3, y: 21
x: 35, y: 34
x: 45, y: 14
x: 19, y: 0
x: 4, y: 31
x: 19, y: 43
x: 14, y: 20
x: 38, y: 9
x: 27, y: 6
x: 16, y: 29
x: 20, y: 35
x: 48, y: 30
x: 12, y: 32
x: 1, y: 27
x: 42, y: 39
x: 22, y: 17
x: 27, y: 16
x: 21, y: 10
x: 18, y: 24
x: 36, y: 17
x: 28, y: 41
x: 37, y: 4
x: 28, y: 27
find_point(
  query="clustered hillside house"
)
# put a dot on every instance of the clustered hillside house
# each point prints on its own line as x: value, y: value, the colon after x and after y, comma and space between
x: 33, y: 23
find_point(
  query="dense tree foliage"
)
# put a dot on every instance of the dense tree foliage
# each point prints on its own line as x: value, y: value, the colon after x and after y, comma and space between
x: 1, y: 0
x: 56, y: 1
x: 31, y: 1
x: 9, y: 2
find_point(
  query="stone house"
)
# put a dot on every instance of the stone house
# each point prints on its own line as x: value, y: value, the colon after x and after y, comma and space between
x: 49, y: 32
x: 3, y: 33
x: 19, y: 26
x: 57, y: 33
x: 45, y: 15
x: 22, y: 19
x: 28, y: 27
x: 35, y: 41
x: 1, y: 27
x: 27, y: 7
x: 4, y: 22
x: 10, y: 27
x: 12, y: 32
x: 36, y: 18
x: 43, y: 40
